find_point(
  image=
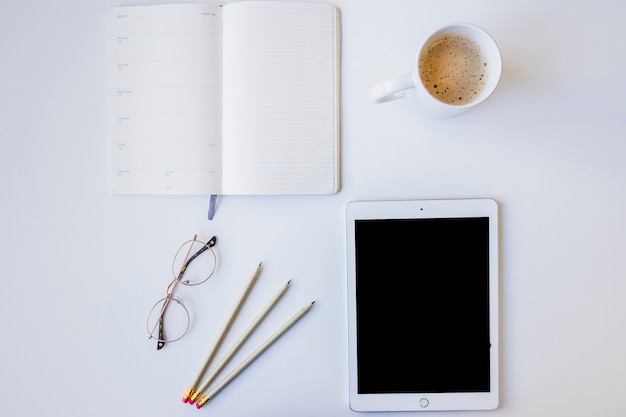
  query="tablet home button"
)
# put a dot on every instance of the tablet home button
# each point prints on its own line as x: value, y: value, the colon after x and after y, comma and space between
x: 424, y: 402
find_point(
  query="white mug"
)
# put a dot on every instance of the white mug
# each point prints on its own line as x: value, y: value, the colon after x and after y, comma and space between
x: 454, y: 97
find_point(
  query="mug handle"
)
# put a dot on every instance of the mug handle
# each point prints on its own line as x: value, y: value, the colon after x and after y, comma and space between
x: 391, y: 89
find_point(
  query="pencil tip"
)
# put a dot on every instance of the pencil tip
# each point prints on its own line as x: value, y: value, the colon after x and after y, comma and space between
x: 260, y: 264
x: 313, y: 302
x: 289, y: 282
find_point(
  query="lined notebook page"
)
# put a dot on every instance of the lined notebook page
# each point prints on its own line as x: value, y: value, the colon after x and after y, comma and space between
x: 165, y: 99
x: 280, y: 102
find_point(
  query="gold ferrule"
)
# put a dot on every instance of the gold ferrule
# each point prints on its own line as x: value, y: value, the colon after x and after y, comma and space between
x: 188, y: 394
x: 194, y: 396
x: 203, y: 401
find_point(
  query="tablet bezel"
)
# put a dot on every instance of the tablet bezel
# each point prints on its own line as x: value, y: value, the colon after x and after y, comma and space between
x: 424, y: 209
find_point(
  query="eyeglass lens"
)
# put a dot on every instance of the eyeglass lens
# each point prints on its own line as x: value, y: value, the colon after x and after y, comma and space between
x: 191, y: 265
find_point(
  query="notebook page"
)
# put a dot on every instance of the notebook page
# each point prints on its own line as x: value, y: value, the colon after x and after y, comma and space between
x: 281, y: 88
x: 165, y: 99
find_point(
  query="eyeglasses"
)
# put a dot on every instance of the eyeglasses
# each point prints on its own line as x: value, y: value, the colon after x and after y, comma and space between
x: 195, y: 270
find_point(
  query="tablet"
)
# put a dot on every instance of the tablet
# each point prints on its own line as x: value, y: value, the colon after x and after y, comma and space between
x: 423, y: 305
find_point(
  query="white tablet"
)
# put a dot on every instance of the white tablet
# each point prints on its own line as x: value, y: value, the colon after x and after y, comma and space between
x: 423, y: 305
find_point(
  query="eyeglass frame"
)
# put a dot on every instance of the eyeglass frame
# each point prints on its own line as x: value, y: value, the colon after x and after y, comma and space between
x: 169, y: 290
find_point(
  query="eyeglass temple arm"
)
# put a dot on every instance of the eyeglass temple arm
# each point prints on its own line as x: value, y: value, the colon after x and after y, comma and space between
x: 208, y: 245
x: 160, y: 340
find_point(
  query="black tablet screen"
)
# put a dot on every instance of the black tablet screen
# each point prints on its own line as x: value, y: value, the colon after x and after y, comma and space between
x: 422, y: 305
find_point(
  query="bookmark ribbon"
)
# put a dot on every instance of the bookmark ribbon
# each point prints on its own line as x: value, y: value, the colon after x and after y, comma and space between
x: 212, y: 204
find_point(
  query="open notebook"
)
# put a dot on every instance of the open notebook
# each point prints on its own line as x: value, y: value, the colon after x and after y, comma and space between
x: 236, y: 99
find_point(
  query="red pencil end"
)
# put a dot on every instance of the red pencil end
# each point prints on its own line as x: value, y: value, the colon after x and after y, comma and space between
x: 188, y: 394
x: 202, y: 402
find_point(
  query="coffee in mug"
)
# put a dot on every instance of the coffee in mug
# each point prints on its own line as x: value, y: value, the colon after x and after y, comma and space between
x: 453, y: 69
x: 456, y: 68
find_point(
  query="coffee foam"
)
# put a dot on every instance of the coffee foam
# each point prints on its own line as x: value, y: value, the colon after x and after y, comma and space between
x: 453, y: 69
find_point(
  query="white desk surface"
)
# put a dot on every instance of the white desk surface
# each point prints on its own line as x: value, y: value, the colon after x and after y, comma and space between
x: 81, y: 267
